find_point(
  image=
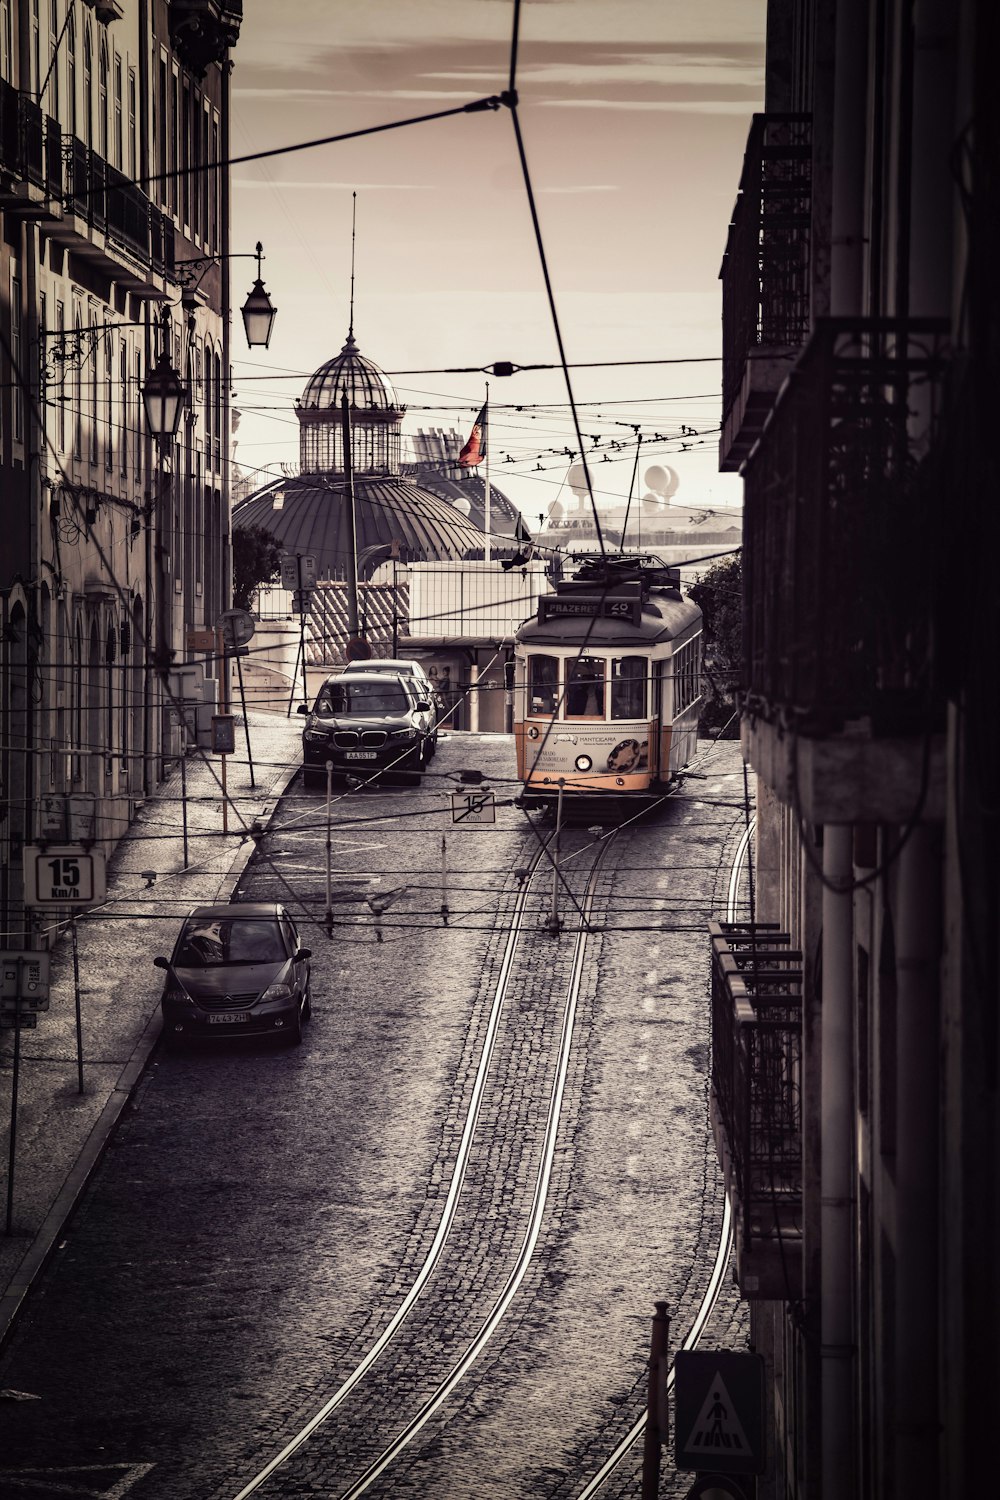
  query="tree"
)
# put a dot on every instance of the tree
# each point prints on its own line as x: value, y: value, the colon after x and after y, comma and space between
x: 719, y: 596
x: 256, y: 561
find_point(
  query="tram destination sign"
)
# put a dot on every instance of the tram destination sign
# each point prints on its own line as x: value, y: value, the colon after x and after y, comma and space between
x: 611, y: 606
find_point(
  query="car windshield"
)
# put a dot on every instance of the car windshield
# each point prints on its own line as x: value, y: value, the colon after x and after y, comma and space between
x: 362, y: 698
x: 230, y: 940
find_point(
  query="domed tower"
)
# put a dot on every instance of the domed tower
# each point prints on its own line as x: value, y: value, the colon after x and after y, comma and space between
x: 310, y: 514
x: 376, y: 417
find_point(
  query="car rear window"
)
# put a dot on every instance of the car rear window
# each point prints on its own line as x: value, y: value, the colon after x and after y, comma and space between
x: 363, y: 698
x: 230, y: 940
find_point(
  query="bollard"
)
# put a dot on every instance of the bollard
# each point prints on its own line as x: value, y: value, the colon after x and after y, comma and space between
x: 657, y: 1423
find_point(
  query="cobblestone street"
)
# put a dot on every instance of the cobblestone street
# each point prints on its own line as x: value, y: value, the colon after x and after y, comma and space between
x: 261, y: 1214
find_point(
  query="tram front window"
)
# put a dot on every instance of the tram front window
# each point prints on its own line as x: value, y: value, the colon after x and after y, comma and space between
x: 628, y: 687
x: 585, y: 688
x: 543, y: 684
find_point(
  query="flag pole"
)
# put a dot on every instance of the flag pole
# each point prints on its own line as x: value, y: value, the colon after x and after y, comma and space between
x: 486, y: 515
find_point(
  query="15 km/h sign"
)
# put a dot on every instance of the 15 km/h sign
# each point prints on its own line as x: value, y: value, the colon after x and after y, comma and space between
x: 63, y: 875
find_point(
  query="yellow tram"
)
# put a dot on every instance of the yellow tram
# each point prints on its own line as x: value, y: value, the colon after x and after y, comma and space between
x: 607, y: 682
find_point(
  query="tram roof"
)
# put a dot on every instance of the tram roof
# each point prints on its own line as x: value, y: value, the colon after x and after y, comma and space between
x: 664, y: 617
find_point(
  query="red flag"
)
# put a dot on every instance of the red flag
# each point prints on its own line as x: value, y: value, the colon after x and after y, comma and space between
x: 475, y: 449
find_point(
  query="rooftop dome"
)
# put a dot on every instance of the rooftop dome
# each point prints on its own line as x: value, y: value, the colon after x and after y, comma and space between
x: 376, y: 417
x: 350, y: 374
x: 309, y: 515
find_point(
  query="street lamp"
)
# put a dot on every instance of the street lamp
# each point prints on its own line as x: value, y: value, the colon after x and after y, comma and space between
x: 258, y: 310
x: 163, y: 396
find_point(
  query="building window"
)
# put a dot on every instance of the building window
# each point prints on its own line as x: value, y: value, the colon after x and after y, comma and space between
x: 17, y: 395
x: 78, y: 394
x: 61, y: 404
x: 109, y: 405
x: 35, y: 59
x: 123, y: 406
x: 102, y: 101
x: 52, y: 87
x: 71, y: 72
x: 118, y: 138
x: 88, y: 86
x: 6, y: 47
x: 185, y: 157
x: 132, y: 166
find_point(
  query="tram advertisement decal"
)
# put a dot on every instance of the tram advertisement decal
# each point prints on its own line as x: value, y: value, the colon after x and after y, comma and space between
x: 615, y: 749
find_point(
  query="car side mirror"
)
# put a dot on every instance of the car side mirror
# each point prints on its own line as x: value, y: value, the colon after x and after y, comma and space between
x: 423, y: 705
x: 160, y: 963
x: 303, y: 708
x: 303, y: 953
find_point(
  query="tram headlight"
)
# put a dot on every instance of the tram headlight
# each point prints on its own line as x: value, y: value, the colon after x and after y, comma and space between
x: 583, y: 762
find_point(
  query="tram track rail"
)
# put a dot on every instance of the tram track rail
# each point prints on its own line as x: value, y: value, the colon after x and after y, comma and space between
x: 697, y: 1324
x: 517, y: 927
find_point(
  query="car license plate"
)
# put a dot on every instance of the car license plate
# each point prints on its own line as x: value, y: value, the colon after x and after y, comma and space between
x: 361, y: 754
x: 232, y: 1019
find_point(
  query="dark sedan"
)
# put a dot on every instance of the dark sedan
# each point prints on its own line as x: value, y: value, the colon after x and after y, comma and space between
x: 367, y: 723
x: 237, y: 969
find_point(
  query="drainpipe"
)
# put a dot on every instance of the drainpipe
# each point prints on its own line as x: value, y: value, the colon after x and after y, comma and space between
x: 474, y: 696
x: 918, y: 1105
x: 847, y: 227
x: 837, y: 1166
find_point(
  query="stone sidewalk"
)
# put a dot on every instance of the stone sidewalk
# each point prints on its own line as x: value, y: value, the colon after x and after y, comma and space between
x: 61, y: 1132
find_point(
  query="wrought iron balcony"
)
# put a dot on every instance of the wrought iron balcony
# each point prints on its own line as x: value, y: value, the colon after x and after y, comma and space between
x: 756, y: 1101
x: 88, y: 203
x: 838, y: 573
x: 765, y: 277
x: 22, y: 139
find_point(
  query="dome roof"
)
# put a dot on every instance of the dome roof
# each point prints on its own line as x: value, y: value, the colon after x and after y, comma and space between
x: 309, y: 516
x: 350, y: 374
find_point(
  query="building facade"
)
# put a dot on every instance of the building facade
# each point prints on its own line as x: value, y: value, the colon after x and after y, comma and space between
x: 114, y: 217
x: 855, y: 1038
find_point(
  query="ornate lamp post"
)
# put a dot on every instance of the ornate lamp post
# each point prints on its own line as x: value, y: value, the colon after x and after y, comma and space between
x: 164, y: 396
x: 258, y: 310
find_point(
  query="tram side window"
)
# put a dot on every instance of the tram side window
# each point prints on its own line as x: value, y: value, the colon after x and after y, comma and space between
x: 687, y: 688
x: 628, y: 687
x: 585, y: 688
x: 543, y: 684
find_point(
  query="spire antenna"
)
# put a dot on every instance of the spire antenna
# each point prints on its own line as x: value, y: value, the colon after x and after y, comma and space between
x: 354, y: 220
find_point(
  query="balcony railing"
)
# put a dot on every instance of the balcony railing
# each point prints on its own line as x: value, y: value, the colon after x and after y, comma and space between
x: 765, y: 275
x: 757, y: 1100
x: 75, y: 178
x: 22, y: 135
x: 840, y: 499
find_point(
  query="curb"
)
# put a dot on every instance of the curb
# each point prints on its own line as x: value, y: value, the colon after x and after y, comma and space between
x: 44, y: 1243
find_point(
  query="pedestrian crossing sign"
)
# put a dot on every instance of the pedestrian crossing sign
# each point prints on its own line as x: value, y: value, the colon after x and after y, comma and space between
x: 719, y: 1426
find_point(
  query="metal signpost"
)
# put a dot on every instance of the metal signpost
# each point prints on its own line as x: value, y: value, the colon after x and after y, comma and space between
x: 298, y: 575
x: 61, y: 874
x: 24, y: 991
x: 223, y: 744
x: 238, y: 627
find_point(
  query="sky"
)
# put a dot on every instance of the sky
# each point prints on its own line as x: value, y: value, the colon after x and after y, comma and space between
x: 634, y: 116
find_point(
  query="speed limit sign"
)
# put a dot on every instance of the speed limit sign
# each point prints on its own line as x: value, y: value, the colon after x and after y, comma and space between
x: 63, y: 875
